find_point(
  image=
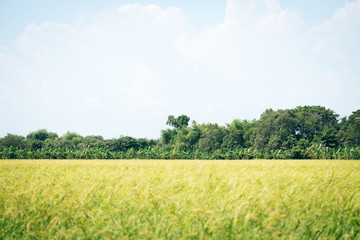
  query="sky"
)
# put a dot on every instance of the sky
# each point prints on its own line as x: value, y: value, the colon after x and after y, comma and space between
x: 120, y: 67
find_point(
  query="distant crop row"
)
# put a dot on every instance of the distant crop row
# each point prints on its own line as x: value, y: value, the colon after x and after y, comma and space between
x: 313, y: 152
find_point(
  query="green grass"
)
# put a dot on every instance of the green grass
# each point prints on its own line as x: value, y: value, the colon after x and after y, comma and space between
x: 78, y: 199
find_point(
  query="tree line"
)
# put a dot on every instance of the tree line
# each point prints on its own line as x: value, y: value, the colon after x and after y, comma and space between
x: 302, y: 132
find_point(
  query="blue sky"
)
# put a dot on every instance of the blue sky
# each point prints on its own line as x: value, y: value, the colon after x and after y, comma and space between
x: 17, y: 14
x: 116, y: 68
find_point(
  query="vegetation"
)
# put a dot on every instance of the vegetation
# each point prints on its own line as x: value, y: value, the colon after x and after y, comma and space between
x: 179, y: 199
x: 313, y: 152
x: 310, y: 132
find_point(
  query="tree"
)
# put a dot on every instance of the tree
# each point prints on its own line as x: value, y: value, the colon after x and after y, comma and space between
x: 342, y: 133
x: 70, y: 140
x: 12, y: 140
x: 329, y: 137
x: 234, y: 137
x: 36, y: 140
x: 193, y: 136
x: 179, y: 122
x: 143, y: 143
x: 275, y: 130
x: 212, y: 136
x: 122, y: 144
x: 353, y: 129
x: 282, y: 129
x: 92, y: 141
x: 167, y: 136
x: 41, y: 135
x: 313, y: 120
x: 185, y: 138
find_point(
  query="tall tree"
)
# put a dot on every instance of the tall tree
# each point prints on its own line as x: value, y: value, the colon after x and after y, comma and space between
x: 353, y: 128
x: 42, y: 135
x: 275, y: 130
x: 36, y: 140
x: 179, y: 122
x: 313, y: 120
x: 212, y: 136
x: 235, y: 135
x: 12, y: 140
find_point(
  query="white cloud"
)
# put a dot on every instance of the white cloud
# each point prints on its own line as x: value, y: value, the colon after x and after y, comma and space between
x: 113, y: 59
x: 122, y: 71
x: 339, y: 36
x: 255, y: 51
x: 262, y: 54
x: 335, y: 43
x: 93, y: 101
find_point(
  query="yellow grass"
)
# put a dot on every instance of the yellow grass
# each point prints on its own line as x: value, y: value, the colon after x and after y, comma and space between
x: 134, y: 199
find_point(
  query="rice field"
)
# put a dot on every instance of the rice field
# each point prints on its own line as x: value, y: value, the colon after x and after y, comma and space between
x: 179, y: 199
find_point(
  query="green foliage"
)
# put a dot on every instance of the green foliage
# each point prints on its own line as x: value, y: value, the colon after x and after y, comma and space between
x: 329, y: 137
x: 234, y: 137
x: 123, y: 144
x: 193, y: 136
x: 126, y: 143
x: 41, y: 135
x: 291, y: 133
x: 179, y: 122
x: 34, y: 144
x: 312, y: 152
x: 12, y: 140
x: 92, y: 141
x: 212, y: 136
x: 275, y: 130
x: 353, y: 128
x: 69, y: 140
x: 37, y: 140
x: 284, y: 129
x: 167, y: 136
x: 313, y: 120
